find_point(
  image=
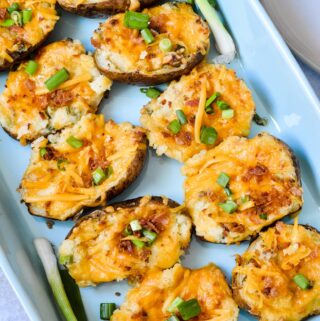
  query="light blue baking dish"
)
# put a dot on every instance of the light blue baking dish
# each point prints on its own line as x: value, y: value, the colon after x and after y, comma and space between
x: 281, y: 92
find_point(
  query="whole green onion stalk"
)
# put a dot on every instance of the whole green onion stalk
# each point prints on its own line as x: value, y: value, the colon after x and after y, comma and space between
x: 223, y: 41
x: 49, y: 262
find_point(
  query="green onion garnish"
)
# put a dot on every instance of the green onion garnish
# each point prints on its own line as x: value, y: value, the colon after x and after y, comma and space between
x: 301, y: 281
x: 151, y: 92
x: 227, y: 190
x: 26, y: 15
x: 65, y: 259
x: 135, y: 225
x: 222, y: 105
x: 228, y: 206
x: 209, y: 110
x: 223, y: 179
x: 189, y: 309
x: 42, y: 151
x: 261, y: 121
x: 60, y: 164
x: 136, y: 20
x: 57, y: 79
x: 208, y: 135
x: 31, y: 67
x: 106, y: 310
x: 139, y: 244
x: 174, y: 126
x: 7, y: 23
x: 244, y: 199
x: 98, y: 176
x: 181, y: 116
x: 75, y: 142
x: 173, y: 308
x: 227, y: 114
x: 150, y: 235
x: 13, y: 7
x: 16, y: 17
x: 263, y: 216
x: 212, y: 98
x: 173, y: 318
x: 127, y: 231
x: 147, y: 35
x: 165, y: 45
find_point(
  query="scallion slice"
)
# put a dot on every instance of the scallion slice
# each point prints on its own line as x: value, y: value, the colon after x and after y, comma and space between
x: 173, y: 308
x: 227, y: 114
x: 26, y: 15
x: 136, y: 20
x: 135, y: 225
x: 263, y: 216
x: 173, y: 318
x: 147, y: 36
x: 228, y: 206
x: 7, y: 23
x: 75, y: 142
x: 65, y: 259
x: 16, y: 17
x: 127, y: 231
x: 106, y: 310
x: 228, y: 192
x: 212, y: 98
x: 174, y: 126
x: 13, y: 7
x: 301, y: 281
x: 208, y: 135
x: 150, y: 235
x: 138, y: 243
x: 57, y: 79
x: 61, y: 164
x: 189, y: 309
x: 181, y: 116
x: 244, y: 199
x: 151, y: 92
x: 222, y: 105
x: 98, y: 176
x: 223, y: 179
x: 31, y: 67
x: 165, y: 45
x: 42, y: 151
x: 209, y: 110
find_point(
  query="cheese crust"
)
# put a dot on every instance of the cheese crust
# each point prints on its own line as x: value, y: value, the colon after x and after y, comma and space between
x: 264, y: 181
x: 123, y: 54
x: 59, y: 184
x: 151, y: 299
x: 185, y: 95
x: 18, y: 41
x: 263, y: 278
x: 28, y: 110
x: 101, y: 252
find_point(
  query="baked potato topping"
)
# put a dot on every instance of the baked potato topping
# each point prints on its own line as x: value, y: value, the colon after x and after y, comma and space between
x: 278, y: 277
x: 82, y: 166
x: 28, y: 109
x: 153, y: 298
x: 125, y: 240
x: 23, y: 27
x: 123, y: 54
x: 200, y: 109
x: 235, y: 189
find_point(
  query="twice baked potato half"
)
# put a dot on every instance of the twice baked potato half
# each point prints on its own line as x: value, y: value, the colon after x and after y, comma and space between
x: 235, y: 189
x: 201, y: 294
x: 198, y: 111
x: 82, y: 166
x: 125, y: 240
x: 278, y: 277
x: 101, y: 8
x: 52, y: 91
x: 173, y: 41
x: 24, y: 25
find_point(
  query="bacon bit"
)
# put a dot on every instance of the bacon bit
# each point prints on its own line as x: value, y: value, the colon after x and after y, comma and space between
x: 156, y: 223
x: 126, y: 245
x: 233, y: 227
x: 94, y: 163
x: 60, y: 98
x: 183, y: 138
x: 269, y: 289
x: 95, y: 43
x: 3, y: 13
x: 41, y: 101
x: 50, y: 154
x: 192, y: 103
x: 166, y: 134
x: 158, y: 23
x: 258, y: 171
x: 30, y: 84
x: 144, y: 253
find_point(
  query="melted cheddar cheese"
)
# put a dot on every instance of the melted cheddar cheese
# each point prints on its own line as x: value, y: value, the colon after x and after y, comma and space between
x: 120, y: 49
x: 263, y: 181
x: 150, y: 300
x: 16, y: 40
x: 263, y: 278
x: 60, y: 183
x: 28, y: 110
x: 186, y: 95
x: 98, y: 254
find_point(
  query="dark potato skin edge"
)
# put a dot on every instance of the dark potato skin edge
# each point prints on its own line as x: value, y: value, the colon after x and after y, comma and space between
x: 132, y: 173
x: 141, y: 79
x: 102, y: 9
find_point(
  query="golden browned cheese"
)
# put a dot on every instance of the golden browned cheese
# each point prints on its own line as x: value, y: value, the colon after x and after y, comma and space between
x: 185, y: 95
x: 19, y: 39
x: 28, y: 110
x: 120, y: 49
x: 150, y: 300
x: 59, y: 183
x: 264, y: 181
x: 102, y: 252
x: 263, y: 278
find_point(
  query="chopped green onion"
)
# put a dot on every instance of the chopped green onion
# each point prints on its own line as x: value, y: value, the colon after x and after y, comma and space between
x: 244, y: 199
x: 223, y: 179
x: 213, y: 3
x: 173, y: 317
x: 150, y: 235
x: 75, y: 142
x: 209, y: 110
x: 13, y: 7
x: 43, y: 151
x: 173, y: 308
x: 227, y: 190
x: 139, y: 244
x: 135, y: 225
x: 98, y: 176
x: 227, y: 114
x: 16, y: 17
x: 60, y: 163
x: 147, y: 35
x: 301, y: 281
x: 151, y: 92
x: 31, y: 67
x: 26, y: 15
x: 49, y: 262
x: 65, y: 259
x: 174, y: 126
x: 228, y: 206
x: 261, y: 121
x: 189, y: 309
x: 181, y: 116
x: 190, y: 2
x: 212, y: 98
x: 263, y: 216
x: 222, y: 105
x: 127, y: 231
x: 7, y: 23
x: 208, y: 135
x: 57, y: 79
x: 136, y: 20
x: 165, y: 45
x: 106, y: 310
